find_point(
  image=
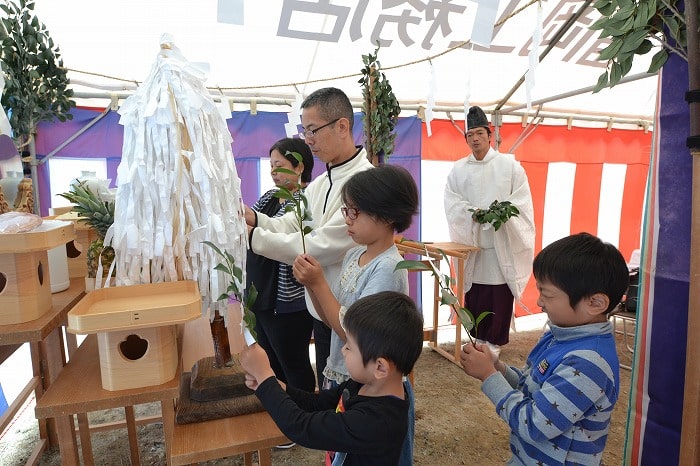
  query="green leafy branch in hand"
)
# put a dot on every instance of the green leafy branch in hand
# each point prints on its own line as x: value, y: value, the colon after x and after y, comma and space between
x: 298, y: 203
x: 447, y: 295
x: 497, y: 214
x: 233, y: 290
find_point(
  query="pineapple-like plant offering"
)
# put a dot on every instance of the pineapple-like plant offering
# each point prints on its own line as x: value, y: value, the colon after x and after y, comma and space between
x: 447, y: 295
x: 98, y: 213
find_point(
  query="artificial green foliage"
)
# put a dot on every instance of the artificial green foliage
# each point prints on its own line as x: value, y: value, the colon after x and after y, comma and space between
x: 234, y: 288
x: 36, y: 83
x: 497, y: 214
x: 447, y: 295
x: 298, y: 204
x: 634, y: 27
x: 380, y: 109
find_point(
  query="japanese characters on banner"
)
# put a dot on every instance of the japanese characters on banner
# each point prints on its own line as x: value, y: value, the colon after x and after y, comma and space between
x: 317, y: 43
x: 425, y: 22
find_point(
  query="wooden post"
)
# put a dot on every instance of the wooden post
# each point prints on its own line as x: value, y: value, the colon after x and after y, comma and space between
x: 370, y: 105
x: 690, y: 427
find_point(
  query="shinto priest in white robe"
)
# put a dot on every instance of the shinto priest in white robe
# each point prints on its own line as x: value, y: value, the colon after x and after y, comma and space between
x: 506, y: 255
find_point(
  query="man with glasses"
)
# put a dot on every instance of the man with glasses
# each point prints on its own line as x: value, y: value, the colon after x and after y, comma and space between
x: 327, y: 120
x: 500, y: 270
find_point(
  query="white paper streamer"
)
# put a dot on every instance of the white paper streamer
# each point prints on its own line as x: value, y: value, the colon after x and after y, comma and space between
x: 177, y: 183
x: 533, y: 57
x: 432, y: 87
x: 468, y: 85
x: 484, y: 20
x: 294, y: 117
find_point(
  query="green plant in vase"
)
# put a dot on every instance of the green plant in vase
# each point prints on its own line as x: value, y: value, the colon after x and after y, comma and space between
x: 98, y: 213
x: 234, y: 290
x: 298, y: 203
x: 447, y: 295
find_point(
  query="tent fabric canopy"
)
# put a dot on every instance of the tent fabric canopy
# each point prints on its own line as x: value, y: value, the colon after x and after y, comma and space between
x: 290, y: 47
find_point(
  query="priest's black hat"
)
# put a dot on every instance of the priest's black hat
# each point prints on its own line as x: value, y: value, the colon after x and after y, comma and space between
x: 476, y: 118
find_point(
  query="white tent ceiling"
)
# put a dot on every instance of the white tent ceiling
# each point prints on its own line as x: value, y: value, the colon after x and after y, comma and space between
x: 109, y: 45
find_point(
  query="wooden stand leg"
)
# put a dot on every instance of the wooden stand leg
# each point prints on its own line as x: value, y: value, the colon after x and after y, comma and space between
x: 66, y: 440
x: 248, y: 458
x: 133, y: 438
x: 35, y: 353
x: 264, y: 457
x: 459, y: 273
x: 51, y: 350
x: 436, y: 309
x: 71, y: 343
x: 85, y: 440
x: 167, y: 409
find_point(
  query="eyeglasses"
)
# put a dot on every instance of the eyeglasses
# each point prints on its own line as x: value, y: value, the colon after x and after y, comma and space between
x: 350, y: 212
x: 310, y: 133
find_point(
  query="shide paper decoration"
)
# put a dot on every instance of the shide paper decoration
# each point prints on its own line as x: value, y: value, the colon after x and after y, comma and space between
x: 177, y: 184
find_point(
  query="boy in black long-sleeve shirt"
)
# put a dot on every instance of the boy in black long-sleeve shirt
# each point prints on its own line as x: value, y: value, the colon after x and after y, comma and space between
x: 365, y: 419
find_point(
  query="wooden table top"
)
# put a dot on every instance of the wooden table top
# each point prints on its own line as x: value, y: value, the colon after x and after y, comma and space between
x: 78, y: 388
x: 38, y: 329
x: 202, y: 441
x: 458, y: 250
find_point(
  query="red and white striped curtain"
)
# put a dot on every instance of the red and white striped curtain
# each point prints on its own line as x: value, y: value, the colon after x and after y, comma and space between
x: 582, y: 179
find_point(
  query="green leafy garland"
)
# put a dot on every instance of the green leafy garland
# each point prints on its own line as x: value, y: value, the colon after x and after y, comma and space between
x: 380, y: 110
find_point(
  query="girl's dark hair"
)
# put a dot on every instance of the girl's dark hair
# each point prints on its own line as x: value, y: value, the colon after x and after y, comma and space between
x: 296, y: 145
x: 387, y: 192
x: 386, y: 325
x: 582, y: 265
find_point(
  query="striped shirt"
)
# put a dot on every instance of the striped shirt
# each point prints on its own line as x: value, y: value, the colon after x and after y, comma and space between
x: 288, y: 294
x: 558, y: 407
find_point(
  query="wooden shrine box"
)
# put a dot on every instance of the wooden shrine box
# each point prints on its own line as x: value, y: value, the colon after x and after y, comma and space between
x: 77, y: 250
x: 136, y: 330
x: 25, y: 285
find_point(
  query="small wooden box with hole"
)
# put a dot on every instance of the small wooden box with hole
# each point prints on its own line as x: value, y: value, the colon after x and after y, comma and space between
x: 136, y: 330
x: 77, y: 249
x: 25, y: 285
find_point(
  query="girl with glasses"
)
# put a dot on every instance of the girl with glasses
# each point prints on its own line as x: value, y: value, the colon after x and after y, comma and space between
x: 378, y: 203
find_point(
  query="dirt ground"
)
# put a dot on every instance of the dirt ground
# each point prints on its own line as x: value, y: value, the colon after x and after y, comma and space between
x: 456, y: 424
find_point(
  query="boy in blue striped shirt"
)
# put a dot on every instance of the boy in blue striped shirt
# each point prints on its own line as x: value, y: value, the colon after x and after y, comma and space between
x: 558, y: 407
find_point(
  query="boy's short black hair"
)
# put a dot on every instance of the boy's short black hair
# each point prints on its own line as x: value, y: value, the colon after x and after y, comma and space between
x: 387, y: 192
x: 297, y: 145
x: 331, y: 103
x: 386, y: 325
x: 582, y: 265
